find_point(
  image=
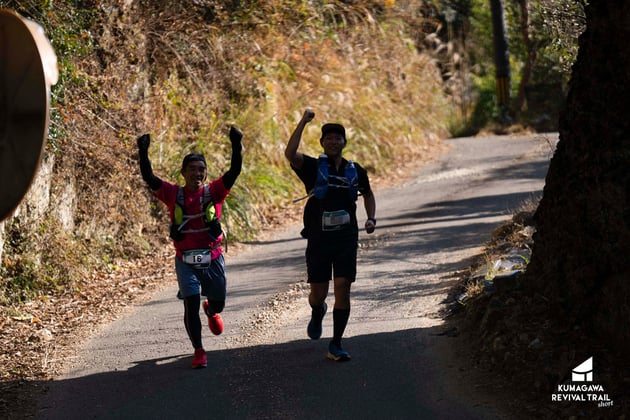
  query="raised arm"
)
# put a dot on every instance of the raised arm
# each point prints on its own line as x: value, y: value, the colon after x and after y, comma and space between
x: 236, y: 163
x: 155, y: 183
x: 291, y: 152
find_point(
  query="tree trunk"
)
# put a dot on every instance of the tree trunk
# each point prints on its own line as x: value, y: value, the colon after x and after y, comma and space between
x: 501, y: 59
x: 581, y: 255
x: 530, y: 60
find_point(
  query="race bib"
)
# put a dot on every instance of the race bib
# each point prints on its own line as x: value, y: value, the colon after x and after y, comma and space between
x: 197, y: 257
x: 334, y: 220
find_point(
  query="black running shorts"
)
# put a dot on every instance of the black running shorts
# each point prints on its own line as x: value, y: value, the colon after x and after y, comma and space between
x: 337, y: 259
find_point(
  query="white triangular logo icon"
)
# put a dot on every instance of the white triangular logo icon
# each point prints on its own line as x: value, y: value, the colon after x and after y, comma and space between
x: 583, y: 372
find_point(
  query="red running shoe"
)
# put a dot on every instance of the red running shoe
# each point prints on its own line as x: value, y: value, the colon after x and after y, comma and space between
x: 200, y: 359
x: 215, y: 322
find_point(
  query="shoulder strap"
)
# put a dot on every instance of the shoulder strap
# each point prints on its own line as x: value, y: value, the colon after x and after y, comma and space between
x: 180, y: 218
x: 178, y: 212
x: 209, y: 208
x: 352, y: 177
x: 321, y: 182
x: 207, y: 196
x: 179, y: 199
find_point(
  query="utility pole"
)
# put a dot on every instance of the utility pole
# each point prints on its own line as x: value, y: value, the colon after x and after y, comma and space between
x: 501, y: 59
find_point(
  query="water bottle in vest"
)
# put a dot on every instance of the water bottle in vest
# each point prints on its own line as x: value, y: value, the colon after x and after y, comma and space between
x: 321, y: 183
x: 353, y: 179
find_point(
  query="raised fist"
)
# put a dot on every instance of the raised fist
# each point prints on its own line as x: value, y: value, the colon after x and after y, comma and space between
x: 308, y: 115
x: 144, y: 141
x: 235, y: 135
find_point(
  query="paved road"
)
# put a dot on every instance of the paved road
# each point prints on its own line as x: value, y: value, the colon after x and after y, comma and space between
x: 264, y: 366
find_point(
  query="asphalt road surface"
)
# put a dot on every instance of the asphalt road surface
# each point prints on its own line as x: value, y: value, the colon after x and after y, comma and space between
x: 264, y: 366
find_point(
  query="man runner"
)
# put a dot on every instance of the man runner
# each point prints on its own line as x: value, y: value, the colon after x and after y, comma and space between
x: 195, y: 211
x: 330, y: 225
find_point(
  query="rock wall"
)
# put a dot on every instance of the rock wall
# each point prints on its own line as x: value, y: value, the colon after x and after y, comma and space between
x: 47, y: 197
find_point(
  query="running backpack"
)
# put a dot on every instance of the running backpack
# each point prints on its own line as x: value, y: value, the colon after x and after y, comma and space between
x: 209, y: 214
x: 350, y: 179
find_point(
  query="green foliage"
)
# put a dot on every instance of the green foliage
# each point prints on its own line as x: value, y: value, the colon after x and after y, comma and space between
x: 67, y: 25
x: 552, y: 30
x: 563, y: 21
x: 486, y: 110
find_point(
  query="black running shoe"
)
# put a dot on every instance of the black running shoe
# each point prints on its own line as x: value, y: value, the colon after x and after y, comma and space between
x: 337, y: 354
x: 314, y: 329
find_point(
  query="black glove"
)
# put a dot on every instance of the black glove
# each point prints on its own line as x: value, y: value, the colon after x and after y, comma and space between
x: 235, y: 135
x: 143, y: 142
x: 215, y: 229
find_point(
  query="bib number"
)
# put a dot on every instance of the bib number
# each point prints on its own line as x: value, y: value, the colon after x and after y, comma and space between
x: 335, y: 220
x: 197, y: 257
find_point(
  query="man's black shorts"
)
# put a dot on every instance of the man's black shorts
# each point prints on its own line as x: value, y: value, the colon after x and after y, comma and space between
x: 338, y: 259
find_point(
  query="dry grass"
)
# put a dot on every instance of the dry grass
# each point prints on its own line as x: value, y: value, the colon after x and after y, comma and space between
x: 184, y: 72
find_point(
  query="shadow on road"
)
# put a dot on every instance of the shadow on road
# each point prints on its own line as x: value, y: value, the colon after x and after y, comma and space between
x: 464, y: 209
x: 393, y: 374
x: 389, y: 377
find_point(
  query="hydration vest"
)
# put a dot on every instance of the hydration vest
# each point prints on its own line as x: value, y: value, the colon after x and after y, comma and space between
x: 209, y: 214
x: 350, y: 180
